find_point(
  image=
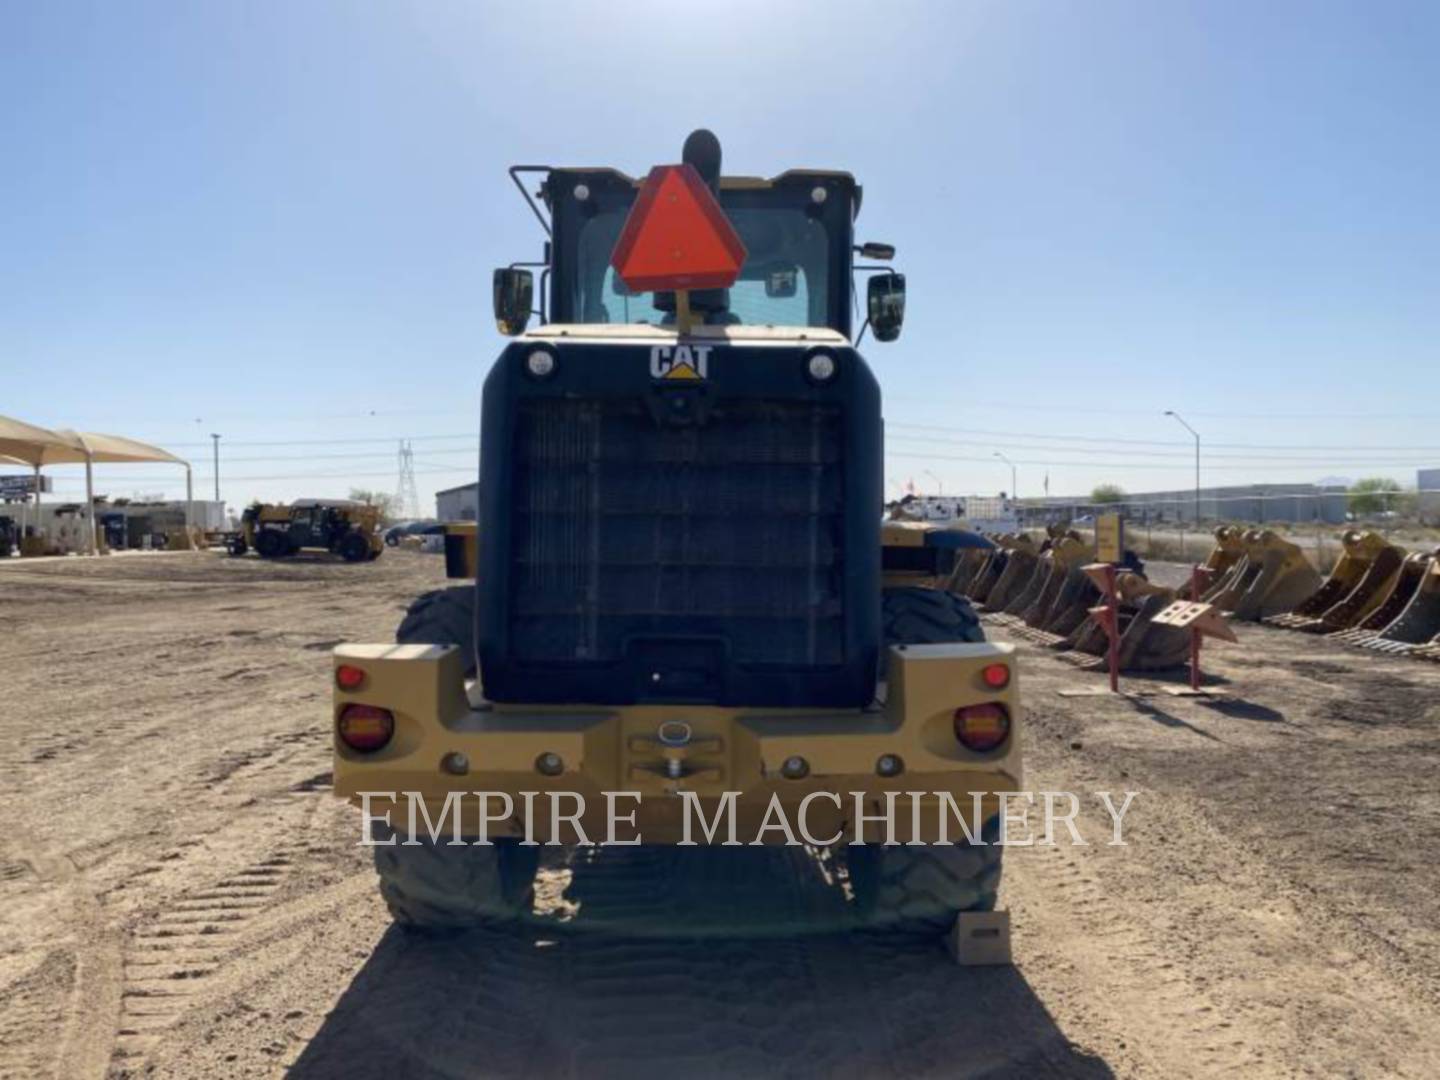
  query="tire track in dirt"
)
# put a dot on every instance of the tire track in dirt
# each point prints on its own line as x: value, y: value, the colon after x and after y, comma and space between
x: 66, y: 974
x: 184, y: 954
x: 1141, y: 978
x: 168, y: 960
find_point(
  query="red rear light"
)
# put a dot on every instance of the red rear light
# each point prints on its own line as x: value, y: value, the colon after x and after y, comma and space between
x: 365, y: 727
x: 982, y: 727
x: 349, y: 677
x: 996, y: 676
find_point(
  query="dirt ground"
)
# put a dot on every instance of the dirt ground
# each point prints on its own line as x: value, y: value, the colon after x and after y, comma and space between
x: 183, y: 898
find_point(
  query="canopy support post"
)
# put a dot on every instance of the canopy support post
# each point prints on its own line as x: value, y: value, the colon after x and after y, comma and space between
x: 189, y: 502
x: 90, y: 501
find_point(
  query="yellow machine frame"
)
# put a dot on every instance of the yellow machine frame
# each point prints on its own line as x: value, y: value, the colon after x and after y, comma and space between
x: 448, y: 740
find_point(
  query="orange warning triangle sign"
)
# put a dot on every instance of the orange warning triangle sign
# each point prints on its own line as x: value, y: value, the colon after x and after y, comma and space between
x: 677, y: 236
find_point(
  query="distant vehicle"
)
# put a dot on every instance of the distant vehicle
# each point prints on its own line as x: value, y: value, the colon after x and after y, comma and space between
x: 396, y: 533
x: 339, y: 526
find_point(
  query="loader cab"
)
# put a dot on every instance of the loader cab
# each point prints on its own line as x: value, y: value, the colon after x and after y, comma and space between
x: 677, y: 488
x: 801, y: 267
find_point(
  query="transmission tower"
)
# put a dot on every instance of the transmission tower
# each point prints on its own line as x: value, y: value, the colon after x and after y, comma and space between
x: 407, y: 498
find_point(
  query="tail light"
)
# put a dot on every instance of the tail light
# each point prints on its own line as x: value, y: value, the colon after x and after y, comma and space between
x: 349, y: 677
x: 982, y: 727
x: 996, y: 676
x: 365, y: 728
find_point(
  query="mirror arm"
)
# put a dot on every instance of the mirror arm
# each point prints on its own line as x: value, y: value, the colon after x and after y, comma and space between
x: 863, y: 327
x: 855, y: 293
x: 515, y: 171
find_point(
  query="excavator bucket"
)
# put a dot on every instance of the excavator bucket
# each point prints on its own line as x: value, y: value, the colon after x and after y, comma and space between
x: 1416, y: 631
x: 989, y: 575
x: 1144, y: 645
x: 1069, y: 610
x: 1020, y: 564
x: 1402, y: 592
x: 1358, y: 551
x: 1272, y: 576
x: 1066, y: 558
x: 988, y: 572
x: 1229, y: 549
x: 1031, y: 589
x: 1238, y: 577
x: 969, y: 564
x: 1375, y: 584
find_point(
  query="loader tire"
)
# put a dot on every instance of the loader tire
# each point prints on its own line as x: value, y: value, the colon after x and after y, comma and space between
x: 920, y: 890
x: 270, y: 544
x: 431, y: 887
x: 354, y: 547
x: 913, y: 616
x: 443, y: 617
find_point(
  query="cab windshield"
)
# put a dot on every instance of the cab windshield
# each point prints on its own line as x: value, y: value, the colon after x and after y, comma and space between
x: 785, y: 280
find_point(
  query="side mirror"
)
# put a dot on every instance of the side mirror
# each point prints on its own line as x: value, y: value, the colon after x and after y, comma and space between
x: 887, y: 305
x: 514, y: 300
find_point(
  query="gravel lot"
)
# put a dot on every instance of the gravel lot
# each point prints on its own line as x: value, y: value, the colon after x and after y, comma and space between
x: 183, y: 898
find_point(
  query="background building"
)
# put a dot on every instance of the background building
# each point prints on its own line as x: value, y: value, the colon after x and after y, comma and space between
x: 458, y: 503
x: 1428, y: 481
x: 1293, y: 504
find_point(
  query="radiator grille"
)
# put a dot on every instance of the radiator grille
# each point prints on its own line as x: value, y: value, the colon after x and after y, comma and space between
x: 625, y: 528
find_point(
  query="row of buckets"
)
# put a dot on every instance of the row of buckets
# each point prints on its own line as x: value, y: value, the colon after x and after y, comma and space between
x: 1379, y: 596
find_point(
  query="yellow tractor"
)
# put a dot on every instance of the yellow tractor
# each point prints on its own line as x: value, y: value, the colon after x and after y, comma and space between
x: 339, y: 526
x: 682, y: 601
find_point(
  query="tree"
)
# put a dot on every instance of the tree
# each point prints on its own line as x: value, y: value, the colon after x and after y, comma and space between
x: 383, y: 501
x: 1373, y: 495
x: 1107, y: 493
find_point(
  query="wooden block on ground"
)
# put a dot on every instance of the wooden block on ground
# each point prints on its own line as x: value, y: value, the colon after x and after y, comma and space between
x: 980, y: 939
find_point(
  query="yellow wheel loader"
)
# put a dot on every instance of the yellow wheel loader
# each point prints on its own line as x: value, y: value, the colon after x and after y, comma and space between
x: 341, y: 527
x: 682, y: 604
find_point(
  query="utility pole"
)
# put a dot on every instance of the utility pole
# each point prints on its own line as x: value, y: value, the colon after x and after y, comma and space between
x: 216, y: 438
x: 1014, y: 495
x: 1181, y: 419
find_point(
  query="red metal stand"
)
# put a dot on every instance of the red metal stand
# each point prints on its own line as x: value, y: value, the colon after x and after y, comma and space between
x: 1112, y: 628
x: 1195, y: 590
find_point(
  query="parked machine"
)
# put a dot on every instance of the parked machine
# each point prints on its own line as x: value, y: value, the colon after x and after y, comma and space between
x: 9, y: 536
x: 679, y: 566
x: 339, y: 526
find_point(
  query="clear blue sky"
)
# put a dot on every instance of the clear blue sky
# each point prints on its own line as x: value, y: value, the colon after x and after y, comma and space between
x: 278, y: 220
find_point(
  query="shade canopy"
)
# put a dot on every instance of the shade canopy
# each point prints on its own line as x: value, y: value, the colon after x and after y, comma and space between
x: 26, y: 444
x: 102, y: 448
x: 31, y: 445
